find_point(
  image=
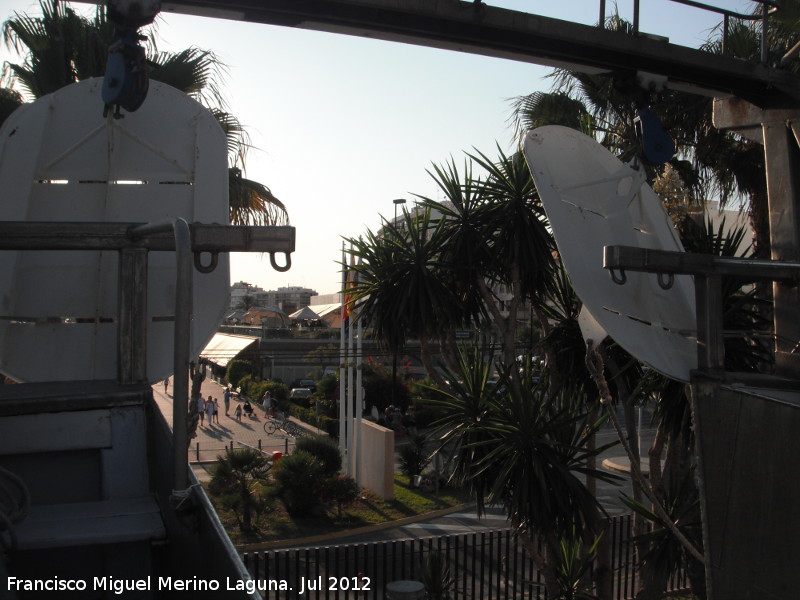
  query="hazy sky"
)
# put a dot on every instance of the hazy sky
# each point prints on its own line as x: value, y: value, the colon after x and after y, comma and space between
x: 344, y: 125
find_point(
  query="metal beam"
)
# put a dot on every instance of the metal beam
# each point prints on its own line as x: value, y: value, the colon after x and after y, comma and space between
x: 480, y: 29
x: 26, y: 235
x: 647, y: 260
x: 708, y: 271
x: 777, y: 130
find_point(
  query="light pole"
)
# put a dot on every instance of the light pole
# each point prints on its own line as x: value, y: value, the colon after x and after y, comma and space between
x: 396, y: 201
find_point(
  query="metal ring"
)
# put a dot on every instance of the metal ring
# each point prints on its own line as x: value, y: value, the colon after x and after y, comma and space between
x: 281, y: 268
x: 665, y: 285
x: 618, y: 277
x: 205, y: 268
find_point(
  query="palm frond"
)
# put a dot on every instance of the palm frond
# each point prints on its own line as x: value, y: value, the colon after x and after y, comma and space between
x: 252, y: 203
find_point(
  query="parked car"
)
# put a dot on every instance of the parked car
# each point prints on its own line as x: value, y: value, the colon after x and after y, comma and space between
x: 300, y: 392
x: 305, y: 383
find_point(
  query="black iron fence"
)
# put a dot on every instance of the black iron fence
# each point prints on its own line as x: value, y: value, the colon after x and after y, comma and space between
x: 489, y: 565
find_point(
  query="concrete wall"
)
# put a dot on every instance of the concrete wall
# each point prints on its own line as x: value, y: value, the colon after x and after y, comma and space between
x: 377, y: 459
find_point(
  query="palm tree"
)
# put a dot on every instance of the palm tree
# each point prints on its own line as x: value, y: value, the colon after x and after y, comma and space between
x: 62, y: 47
x: 524, y: 451
x: 238, y: 480
x: 520, y: 245
x: 246, y: 302
x: 10, y: 100
x: 402, y: 287
x: 495, y: 235
x: 425, y: 276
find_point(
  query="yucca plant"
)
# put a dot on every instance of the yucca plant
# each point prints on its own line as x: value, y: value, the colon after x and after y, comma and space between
x: 437, y: 577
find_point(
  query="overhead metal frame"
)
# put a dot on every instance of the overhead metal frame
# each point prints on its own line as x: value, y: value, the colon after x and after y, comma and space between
x: 477, y: 28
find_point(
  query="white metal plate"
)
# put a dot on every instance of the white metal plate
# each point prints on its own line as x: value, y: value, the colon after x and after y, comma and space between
x: 593, y: 333
x: 593, y: 200
x: 60, y: 160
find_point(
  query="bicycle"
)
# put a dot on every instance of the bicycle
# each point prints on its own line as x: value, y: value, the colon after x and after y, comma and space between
x: 274, y: 423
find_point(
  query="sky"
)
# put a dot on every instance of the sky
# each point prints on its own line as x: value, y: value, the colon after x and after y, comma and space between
x: 342, y: 126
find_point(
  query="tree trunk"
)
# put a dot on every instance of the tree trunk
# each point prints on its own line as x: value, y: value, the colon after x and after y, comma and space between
x: 448, y: 346
x: 591, y: 464
x: 543, y: 564
x: 654, y: 455
x: 425, y: 356
x: 198, y: 373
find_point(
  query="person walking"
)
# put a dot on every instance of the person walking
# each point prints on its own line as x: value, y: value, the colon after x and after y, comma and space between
x: 201, y: 409
x: 238, y: 412
x: 210, y: 410
x: 266, y: 404
x: 166, y: 386
x: 226, y: 398
x: 216, y: 411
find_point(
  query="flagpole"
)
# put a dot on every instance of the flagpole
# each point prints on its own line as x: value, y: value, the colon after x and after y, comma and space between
x: 359, y: 391
x: 350, y: 377
x: 342, y: 363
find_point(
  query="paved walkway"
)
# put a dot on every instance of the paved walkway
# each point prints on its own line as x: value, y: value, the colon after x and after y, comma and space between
x: 212, y: 439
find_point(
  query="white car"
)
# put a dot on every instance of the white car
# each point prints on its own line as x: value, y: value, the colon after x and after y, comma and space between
x: 300, y: 393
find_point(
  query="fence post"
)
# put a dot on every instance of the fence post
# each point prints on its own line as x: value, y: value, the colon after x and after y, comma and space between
x: 197, y: 451
x: 231, y: 445
x: 286, y: 446
x: 259, y: 443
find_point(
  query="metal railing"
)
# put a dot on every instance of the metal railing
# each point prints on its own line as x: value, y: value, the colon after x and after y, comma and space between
x: 488, y: 565
x: 767, y: 7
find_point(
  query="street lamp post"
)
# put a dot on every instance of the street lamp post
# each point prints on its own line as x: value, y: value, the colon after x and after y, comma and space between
x: 396, y: 201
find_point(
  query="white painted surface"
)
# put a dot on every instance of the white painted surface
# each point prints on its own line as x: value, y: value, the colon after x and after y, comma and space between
x: 377, y: 459
x: 593, y: 200
x: 60, y: 160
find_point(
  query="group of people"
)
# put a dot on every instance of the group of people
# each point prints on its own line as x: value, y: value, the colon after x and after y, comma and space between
x: 208, y: 407
x: 393, y: 418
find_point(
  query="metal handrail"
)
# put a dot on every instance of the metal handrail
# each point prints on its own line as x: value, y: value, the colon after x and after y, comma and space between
x: 181, y: 340
x: 767, y: 7
x: 727, y: 12
x: 707, y: 271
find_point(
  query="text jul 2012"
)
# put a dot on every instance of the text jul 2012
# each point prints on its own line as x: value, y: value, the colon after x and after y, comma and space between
x: 119, y: 586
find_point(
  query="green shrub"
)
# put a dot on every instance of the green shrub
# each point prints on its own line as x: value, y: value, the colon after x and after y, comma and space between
x: 256, y: 389
x: 298, y: 478
x: 328, y: 385
x: 412, y: 456
x: 378, y: 390
x: 304, y: 401
x: 341, y: 490
x: 309, y: 415
x: 237, y: 369
x: 324, y: 449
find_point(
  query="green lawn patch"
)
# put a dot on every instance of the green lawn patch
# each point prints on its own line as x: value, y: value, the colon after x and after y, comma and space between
x: 277, y: 524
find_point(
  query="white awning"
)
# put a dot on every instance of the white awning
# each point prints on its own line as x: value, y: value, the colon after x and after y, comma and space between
x: 323, y: 310
x: 304, y: 314
x: 224, y: 347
